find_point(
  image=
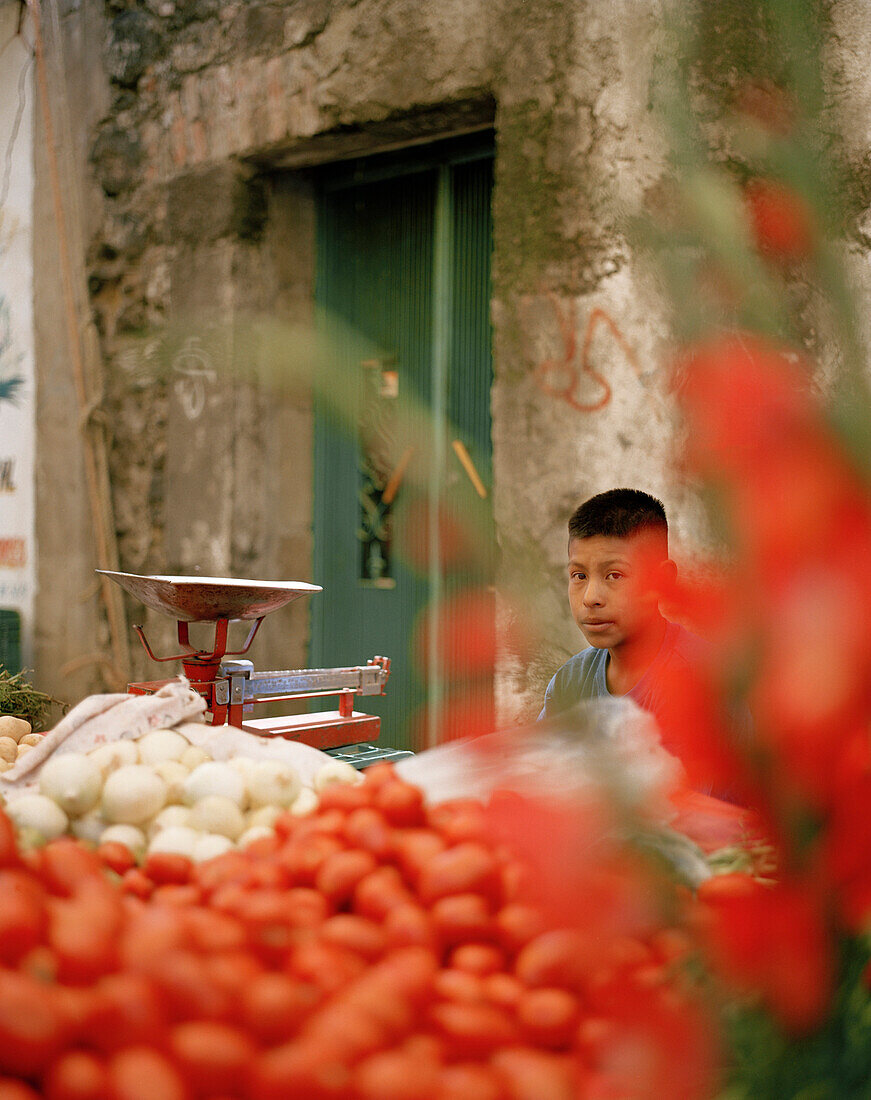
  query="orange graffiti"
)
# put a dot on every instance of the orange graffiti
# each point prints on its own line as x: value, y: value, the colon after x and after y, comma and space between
x: 560, y: 377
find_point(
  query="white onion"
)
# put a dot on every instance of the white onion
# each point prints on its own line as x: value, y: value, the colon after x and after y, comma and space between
x: 215, y: 778
x: 217, y: 814
x: 114, y: 755
x: 178, y: 839
x: 264, y: 815
x: 133, y: 794
x: 8, y: 748
x: 210, y: 845
x: 168, y: 817
x: 256, y: 832
x: 193, y: 756
x: 305, y: 802
x: 335, y: 771
x: 72, y: 781
x: 132, y: 838
x: 161, y: 745
x: 35, y: 811
x: 272, y: 783
x: 88, y: 827
x: 174, y: 774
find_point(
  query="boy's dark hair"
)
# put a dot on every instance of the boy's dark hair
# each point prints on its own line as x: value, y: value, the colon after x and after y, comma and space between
x: 618, y: 513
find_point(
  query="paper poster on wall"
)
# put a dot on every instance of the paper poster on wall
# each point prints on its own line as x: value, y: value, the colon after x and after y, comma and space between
x: 17, y: 375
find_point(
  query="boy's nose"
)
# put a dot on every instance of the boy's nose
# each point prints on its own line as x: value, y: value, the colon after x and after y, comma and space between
x: 592, y: 596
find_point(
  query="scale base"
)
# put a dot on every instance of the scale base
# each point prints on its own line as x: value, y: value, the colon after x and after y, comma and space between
x: 327, y: 729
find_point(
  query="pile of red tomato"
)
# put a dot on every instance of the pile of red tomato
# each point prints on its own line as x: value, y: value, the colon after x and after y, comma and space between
x: 374, y: 950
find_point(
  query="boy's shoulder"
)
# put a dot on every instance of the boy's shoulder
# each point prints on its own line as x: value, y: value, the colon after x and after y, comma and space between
x: 581, y: 677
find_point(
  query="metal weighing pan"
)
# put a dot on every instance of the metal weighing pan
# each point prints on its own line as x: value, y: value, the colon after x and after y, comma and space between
x: 206, y: 599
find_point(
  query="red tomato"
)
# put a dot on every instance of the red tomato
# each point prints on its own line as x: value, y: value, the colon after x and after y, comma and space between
x: 469, y: 1081
x: 396, y: 1075
x: 367, y: 829
x: 85, y: 943
x: 233, y: 971
x: 32, y: 1028
x: 503, y: 989
x: 125, y: 1011
x: 465, y: 868
x: 414, y: 848
x: 213, y: 1057
x: 76, y: 1075
x: 478, y: 958
x: 529, y: 1074
x: 376, y: 775
x: 363, y: 937
x: 552, y: 959
x: 548, y: 1017
x: 16, y: 1090
x: 302, y: 857
x: 409, y: 925
x: 230, y: 867
x: 188, y: 988
x: 327, y: 967
x: 345, y: 797
x: 117, y: 857
x: 65, y: 864
x: 8, y: 843
x: 208, y: 930
x: 400, y: 803
x: 461, y: 917
x: 177, y: 895
x: 141, y: 1073
x: 168, y: 867
x: 339, y: 874
x: 137, y: 883
x: 298, y: 1070
x: 22, y: 915
x: 516, y: 924
x: 459, y: 819
x: 273, y: 1006
x: 346, y: 1030
x: 379, y: 892
x: 458, y: 985
x: 473, y: 1030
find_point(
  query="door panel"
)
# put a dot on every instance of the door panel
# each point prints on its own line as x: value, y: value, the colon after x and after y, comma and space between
x: 377, y: 281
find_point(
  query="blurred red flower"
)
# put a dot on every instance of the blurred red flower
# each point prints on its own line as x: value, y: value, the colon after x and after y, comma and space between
x: 772, y: 941
x: 781, y: 220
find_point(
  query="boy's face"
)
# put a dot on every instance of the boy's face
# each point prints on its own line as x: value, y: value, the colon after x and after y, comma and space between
x: 611, y: 586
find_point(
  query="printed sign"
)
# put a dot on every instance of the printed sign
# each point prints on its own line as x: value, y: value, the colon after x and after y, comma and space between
x: 17, y: 375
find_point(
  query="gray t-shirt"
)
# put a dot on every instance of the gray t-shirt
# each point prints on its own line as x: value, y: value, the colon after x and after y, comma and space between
x: 584, y: 676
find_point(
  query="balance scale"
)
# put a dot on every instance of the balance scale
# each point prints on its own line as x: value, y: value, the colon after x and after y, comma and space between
x: 231, y: 687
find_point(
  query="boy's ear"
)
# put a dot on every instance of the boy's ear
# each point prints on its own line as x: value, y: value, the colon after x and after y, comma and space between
x: 666, y: 577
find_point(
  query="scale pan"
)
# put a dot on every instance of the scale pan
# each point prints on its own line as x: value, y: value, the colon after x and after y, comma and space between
x: 205, y: 599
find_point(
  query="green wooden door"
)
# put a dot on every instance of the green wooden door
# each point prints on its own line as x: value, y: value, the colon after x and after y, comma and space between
x: 403, y: 290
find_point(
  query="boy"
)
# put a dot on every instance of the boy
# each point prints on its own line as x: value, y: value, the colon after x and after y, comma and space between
x: 618, y: 561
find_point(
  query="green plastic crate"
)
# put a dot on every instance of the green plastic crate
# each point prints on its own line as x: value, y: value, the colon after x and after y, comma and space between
x: 10, y: 640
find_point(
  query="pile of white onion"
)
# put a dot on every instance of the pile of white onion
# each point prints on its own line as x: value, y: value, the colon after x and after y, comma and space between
x: 163, y: 794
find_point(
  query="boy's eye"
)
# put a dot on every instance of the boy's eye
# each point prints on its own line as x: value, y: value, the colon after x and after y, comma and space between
x: 612, y: 576
x: 577, y: 576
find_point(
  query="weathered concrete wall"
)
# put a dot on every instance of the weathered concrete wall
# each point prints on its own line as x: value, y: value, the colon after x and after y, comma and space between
x: 200, y: 125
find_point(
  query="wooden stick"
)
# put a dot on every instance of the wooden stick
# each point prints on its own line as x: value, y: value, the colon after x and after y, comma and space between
x: 392, y: 486
x: 469, y: 466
